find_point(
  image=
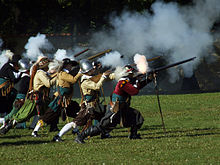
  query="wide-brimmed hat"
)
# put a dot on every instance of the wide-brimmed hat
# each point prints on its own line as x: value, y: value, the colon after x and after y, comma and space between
x: 67, y: 61
x: 43, y: 62
x: 15, y: 58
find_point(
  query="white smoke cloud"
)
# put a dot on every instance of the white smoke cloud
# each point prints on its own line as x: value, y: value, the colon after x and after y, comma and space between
x: 62, y: 53
x: 4, y: 57
x: 112, y: 59
x: 184, y: 32
x: 35, y: 44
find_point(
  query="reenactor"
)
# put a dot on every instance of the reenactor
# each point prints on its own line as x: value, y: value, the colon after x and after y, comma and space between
x: 119, y: 110
x: 21, y: 87
x: 38, y: 95
x: 9, y: 75
x: 63, y: 100
x: 90, y: 107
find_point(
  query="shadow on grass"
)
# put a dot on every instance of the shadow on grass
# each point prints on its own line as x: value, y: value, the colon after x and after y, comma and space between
x: 171, y: 133
x: 29, y: 142
x: 12, y: 136
x: 183, y: 133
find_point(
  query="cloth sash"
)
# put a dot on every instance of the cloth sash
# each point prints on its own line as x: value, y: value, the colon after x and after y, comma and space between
x: 119, y: 98
x: 26, y: 111
x: 54, y: 105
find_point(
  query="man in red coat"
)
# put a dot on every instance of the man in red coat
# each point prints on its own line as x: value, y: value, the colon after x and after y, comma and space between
x: 119, y: 111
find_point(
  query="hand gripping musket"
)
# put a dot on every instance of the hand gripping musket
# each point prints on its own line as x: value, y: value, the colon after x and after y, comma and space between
x: 156, y: 85
x: 76, y: 55
x: 99, y: 54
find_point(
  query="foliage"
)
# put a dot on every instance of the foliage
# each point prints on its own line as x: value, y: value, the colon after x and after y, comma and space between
x: 192, y: 137
x: 62, y: 16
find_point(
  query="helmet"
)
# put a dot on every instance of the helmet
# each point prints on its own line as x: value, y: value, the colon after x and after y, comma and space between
x: 24, y: 64
x: 85, y: 66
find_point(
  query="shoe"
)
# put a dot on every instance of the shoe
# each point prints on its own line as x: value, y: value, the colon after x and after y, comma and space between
x: 104, y: 136
x: 137, y: 136
x: 3, y: 131
x: 57, y: 138
x: 35, y: 134
x: 79, y: 140
x: 6, y: 128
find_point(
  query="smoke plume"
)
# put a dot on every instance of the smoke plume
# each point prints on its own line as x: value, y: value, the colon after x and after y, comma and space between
x: 184, y: 32
x: 112, y: 59
x: 35, y: 45
x: 141, y: 63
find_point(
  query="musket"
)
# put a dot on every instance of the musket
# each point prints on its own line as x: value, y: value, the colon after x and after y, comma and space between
x: 99, y: 54
x: 76, y: 55
x: 171, y: 65
x: 156, y: 85
x: 152, y: 59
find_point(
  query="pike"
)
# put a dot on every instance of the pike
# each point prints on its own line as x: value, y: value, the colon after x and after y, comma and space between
x: 99, y: 54
x: 76, y: 55
x: 156, y: 85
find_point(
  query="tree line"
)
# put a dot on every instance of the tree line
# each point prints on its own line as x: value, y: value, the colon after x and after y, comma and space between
x: 64, y: 16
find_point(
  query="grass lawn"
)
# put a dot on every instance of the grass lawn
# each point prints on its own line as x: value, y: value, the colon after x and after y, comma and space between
x: 192, y: 136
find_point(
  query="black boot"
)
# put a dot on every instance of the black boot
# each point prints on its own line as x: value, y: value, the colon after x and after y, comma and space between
x: 5, y: 129
x: 91, y: 131
x: 105, y: 135
x: 133, y: 134
x: 54, y: 128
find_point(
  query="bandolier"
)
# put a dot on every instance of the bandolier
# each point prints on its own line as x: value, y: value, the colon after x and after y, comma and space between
x: 9, y: 75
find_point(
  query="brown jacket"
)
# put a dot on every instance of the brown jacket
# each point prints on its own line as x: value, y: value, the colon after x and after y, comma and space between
x: 65, y: 80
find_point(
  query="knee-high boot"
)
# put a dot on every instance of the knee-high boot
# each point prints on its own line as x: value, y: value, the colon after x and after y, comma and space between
x: 7, y: 127
x: 133, y: 134
x: 91, y: 131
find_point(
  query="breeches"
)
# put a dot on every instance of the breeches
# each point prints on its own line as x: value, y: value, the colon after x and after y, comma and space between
x: 129, y: 117
x: 86, y: 114
x: 50, y: 116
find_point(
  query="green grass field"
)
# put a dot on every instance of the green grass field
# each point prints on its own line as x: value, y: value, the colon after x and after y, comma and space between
x: 192, y: 137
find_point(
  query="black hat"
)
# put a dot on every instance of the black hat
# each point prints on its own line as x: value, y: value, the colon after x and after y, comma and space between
x: 15, y: 58
x: 67, y: 61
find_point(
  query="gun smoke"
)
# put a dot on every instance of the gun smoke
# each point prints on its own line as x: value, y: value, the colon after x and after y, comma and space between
x: 183, y: 32
x: 112, y: 59
x: 35, y: 45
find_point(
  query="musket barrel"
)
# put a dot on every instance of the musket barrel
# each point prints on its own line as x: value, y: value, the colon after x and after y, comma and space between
x: 99, y: 54
x: 152, y: 59
x: 76, y: 55
x: 172, y: 65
